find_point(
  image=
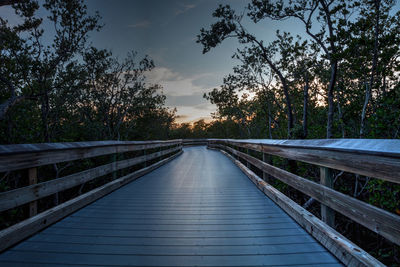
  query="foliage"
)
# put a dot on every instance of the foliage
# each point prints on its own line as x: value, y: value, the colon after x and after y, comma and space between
x: 67, y: 90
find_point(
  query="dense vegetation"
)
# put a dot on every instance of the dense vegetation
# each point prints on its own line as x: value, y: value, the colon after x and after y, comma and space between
x: 339, y: 78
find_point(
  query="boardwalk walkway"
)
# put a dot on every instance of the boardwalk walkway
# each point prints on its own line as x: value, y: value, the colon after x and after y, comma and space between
x: 197, y: 210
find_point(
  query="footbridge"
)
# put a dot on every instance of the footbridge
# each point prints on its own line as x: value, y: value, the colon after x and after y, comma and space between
x: 205, y: 202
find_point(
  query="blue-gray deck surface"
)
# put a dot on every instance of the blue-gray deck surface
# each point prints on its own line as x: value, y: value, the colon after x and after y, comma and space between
x: 197, y: 210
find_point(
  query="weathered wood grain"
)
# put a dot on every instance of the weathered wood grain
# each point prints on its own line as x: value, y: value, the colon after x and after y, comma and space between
x: 20, y: 231
x: 346, y: 251
x: 194, y: 142
x: 375, y: 219
x: 14, y: 157
x: 326, y: 179
x: 32, y: 174
x: 385, y: 166
x: 383, y: 147
x: 20, y: 196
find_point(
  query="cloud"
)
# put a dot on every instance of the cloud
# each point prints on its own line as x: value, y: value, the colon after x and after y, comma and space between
x: 175, y: 84
x: 182, y: 117
x: 186, y: 100
x: 161, y: 74
x: 185, y: 92
x: 191, y: 114
x: 205, y: 106
x: 140, y: 24
x: 184, y: 8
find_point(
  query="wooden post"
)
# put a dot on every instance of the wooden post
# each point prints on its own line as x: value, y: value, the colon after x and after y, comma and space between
x: 326, y: 179
x: 238, y: 149
x: 265, y: 159
x: 121, y: 158
x: 247, y: 163
x: 114, y: 161
x: 32, y: 173
x: 144, y: 154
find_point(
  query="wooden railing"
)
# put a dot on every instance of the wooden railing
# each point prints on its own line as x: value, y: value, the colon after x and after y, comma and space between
x: 32, y: 156
x: 195, y: 142
x: 373, y: 158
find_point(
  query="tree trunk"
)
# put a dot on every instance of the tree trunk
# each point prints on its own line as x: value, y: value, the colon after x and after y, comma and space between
x: 368, y: 87
x: 45, y: 116
x: 305, y: 107
x: 330, y: 99
x: 334, y: 62
x: 269, y: 121
x: 340, y: 113
x: 285, y: 86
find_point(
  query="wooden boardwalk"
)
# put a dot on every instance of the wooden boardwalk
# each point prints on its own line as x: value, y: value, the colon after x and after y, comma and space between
x: 197, y: 210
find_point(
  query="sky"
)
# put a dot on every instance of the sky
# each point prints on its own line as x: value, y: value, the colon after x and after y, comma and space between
x: 166, y: 30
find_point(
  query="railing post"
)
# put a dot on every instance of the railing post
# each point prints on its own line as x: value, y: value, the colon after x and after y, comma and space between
x: 265, y: 158
x: 237, y: 149
x: 114, y: 166
x: 326, y: 179
x: 145, y: 162
x: 247, y: 163
x: 32, y: 174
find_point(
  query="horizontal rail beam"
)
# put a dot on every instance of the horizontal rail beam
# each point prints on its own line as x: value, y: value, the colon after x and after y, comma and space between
x: 385, y: 167
x: 24, y: 229
x: 14, y: 198
x: 375, y: 219
x: 44, y: 154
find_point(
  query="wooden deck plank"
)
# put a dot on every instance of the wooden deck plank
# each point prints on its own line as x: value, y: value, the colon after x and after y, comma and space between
x: 198, y: 210
x: 170, y: 250
x: 172, y: 260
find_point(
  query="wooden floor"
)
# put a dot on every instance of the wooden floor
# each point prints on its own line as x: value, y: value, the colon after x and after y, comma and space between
x: 198, y: 210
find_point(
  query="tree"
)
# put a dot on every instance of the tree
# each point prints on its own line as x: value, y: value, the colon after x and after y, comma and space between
x: 331, y: 16
x: 29, y: 67
x: 76, y: 92
x: 230, y: 26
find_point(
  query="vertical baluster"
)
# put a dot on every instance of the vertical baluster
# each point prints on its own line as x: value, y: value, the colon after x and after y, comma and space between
x: 145, y: 162
x: 247, y: 163
x: 326, y: 179
x: 265, y: 159
x: 114, y: 166
x: 32, y: 173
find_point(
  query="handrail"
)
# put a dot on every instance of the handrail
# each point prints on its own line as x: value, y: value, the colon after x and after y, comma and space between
x: 374, y: 158
x: 198, y: 141
x: 21, y: 156
x: 32, y: 156
x: 17, y: 197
